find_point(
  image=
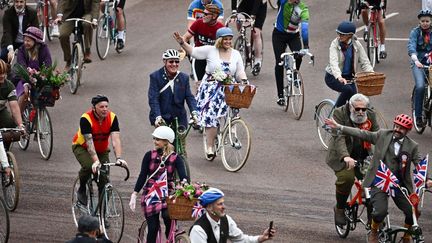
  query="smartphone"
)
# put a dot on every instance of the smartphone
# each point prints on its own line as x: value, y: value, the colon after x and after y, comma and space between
x: 270, y: 228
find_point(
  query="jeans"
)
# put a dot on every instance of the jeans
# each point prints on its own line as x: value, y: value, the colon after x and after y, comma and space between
x: 419, y: 79
x: 346, y: 90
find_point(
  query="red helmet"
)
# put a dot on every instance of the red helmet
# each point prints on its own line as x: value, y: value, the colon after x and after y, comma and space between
x: 404, y: 121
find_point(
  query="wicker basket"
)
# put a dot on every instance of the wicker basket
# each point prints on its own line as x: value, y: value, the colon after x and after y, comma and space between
x: 239, y: 95
x: 180, y: 208
x: 370, y: 83
x: 46, y: 96
x: 11, y: 136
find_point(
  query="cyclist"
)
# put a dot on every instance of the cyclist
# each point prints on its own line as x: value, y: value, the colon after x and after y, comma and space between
x: 394, y: 148
x: 158, y: 165
x: 203, y: 31
x: 346, y: 52
x: 216, y: 226
x: 345, y: 151
x: 419, y: 49
x: 86, y: 9
x: 257, y: 9
x: 377, y: 4
x: 196, y: 10
x: 55, y: 29
x: 292, y: 16
x: 90, y: 144
x: 88, y: 231
x: 15, y: 21
x: 168, y: 91
x: 120, y: 22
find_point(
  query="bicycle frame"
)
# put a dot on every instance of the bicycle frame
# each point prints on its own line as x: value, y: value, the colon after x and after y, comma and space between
x: 233, y: 114
x: 108, y: 17
x: 245, y: 23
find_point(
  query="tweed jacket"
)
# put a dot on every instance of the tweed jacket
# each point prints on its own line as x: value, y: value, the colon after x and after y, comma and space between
x: 382, y: 140
x: 11, y: 24
x: 66, y: 7
x: 341, y: 146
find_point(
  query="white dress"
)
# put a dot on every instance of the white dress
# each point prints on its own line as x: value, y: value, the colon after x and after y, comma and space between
x: 211, y: 98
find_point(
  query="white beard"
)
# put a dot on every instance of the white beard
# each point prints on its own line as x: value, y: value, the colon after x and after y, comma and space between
x: 358, y: 119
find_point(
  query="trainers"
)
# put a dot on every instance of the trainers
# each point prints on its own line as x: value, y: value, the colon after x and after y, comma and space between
x: 210, y: 154
x: 383, y: 54
x: 339, y: 216
x: 256, y: 69
x: 281, y: 102
x: 419, y: 122
x: 82, y: 197
x: 87, y: 58
x: 373, y: 236
x: 55, y: 31
x: 120, y: 44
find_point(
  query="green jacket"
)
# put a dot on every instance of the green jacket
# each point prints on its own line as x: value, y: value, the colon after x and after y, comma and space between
x: 341, y: 146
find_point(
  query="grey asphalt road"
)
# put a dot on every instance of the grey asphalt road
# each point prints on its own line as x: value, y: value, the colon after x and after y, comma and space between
x: 285, y: 179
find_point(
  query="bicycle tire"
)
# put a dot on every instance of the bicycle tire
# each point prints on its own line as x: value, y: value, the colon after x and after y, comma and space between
x: 240, y: 45
x: 418, y: 129
x: 323, y: 110
x: 76, y: 68
x: 182, y: 238
x: 233, y: 144
x: 111, y: 209
x: 11, y: 189
x: 142, y: 232
x: 186, y: 163
x: 78, y: 209
x: 273, y: 4
x: 103, y: 37
x: 5, y: 223
x: 25, y: 140
x: 343, y: 230
x: 351, y: 10
x: 297, y: 95
x: 287, y: 88
x: 44, y: 133
x: 124, y: 36
x: 371, y: 49
x: 48, y: 26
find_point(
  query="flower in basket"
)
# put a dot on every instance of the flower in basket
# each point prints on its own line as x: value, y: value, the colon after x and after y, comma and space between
x: 47, y: 75
x: 223, y: 76
x: 190, y: 191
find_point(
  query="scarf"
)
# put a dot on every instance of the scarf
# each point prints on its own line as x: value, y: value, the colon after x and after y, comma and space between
x: 426, y: 36
x: 367, y: 125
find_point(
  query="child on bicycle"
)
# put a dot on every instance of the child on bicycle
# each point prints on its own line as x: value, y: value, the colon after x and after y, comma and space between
x: 156, y: 179
x: 345, y: 53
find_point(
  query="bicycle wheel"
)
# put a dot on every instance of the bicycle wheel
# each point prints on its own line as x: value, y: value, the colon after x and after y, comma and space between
x: 48, y: 26
x: 79, y: 209
x: 44, y: 133
x: 4, y: 222
x: 103, y: 37
x: 76, y: 68
x: 182, y: 238
x: 418, y: 129
x: 343, y: 230
x: 371, y: 49
x: 297, y: 95
x: 186, y: 163
x: 236, y: 143
x: 322, y: 111
x: 273, y: 3
x: 25, y: 140
x: 351, y: 10
x: 112, y: 214
x: 11, y: 184
x: 240, y: 45
x: 142, y: 233
x: 380, y: 119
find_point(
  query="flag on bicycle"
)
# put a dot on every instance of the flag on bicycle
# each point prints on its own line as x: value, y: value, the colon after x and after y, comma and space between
x: 419, y: 174
x: 197, y: 210
x: 386, y: 180
x: 158, y: 191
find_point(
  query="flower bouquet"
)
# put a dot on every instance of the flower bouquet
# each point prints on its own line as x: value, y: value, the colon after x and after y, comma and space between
x: 223, y: 76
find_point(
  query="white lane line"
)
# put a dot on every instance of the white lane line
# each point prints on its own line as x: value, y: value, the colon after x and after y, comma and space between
x: 387, y: 17
x: 397, y: 39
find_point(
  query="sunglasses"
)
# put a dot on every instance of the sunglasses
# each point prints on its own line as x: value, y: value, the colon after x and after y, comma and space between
x: 174, y: 61
x: 206, y: 14
x: 360, y: 109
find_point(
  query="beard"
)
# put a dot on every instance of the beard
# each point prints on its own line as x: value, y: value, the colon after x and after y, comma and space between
x: 358, y: 118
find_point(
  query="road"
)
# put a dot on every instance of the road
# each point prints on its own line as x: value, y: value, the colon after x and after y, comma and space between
x: 285, y: 180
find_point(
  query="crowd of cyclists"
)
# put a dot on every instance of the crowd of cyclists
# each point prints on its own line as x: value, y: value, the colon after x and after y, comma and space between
x: 212, y: 51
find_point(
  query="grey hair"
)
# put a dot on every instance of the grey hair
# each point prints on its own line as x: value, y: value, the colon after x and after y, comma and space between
x: 359, y: 97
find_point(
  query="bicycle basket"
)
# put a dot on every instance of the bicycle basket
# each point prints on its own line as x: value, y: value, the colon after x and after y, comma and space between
x: 429, y: 79
x: 370, y: 83
x: 46, y: 96
x: 239, y: 95
x: 180, y: 208
x: 11, y: 136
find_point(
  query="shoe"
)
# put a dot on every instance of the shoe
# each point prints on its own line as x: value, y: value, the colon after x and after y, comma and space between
x: 210, y: 154
x: 383, y: 54
x: 55, y: 31
x: 373, y: 236
x: 339, y: 216
x: 365, y: 34
x: 87, y: 58
x: 281, y: 102
x: 406, y: 239
x: 120, y: 44
x: 256, y: 69
x: 419, y: 122
x: 82, y: 197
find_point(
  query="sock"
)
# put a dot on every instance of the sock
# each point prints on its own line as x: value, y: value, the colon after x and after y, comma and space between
x: 382, y: 47
x: 258, y: 60
x: 374, y: 225
x: 121, y: 34
x: 365, y: 29
x: 341, y: 200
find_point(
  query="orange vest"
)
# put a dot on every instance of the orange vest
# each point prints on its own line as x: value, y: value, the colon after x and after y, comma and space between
x: 100, y: 131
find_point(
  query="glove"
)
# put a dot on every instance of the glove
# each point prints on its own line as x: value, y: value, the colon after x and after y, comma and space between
x: 195, y: 117
x: 132, y: 202
x: 159, y: 121
x: 96, y: 166
x: 122, y: 162
x: 304, y: 51
x: 95, y: 22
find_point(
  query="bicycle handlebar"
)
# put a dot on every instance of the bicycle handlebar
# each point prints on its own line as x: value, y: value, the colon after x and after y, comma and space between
x: 300, y: 53
x: 109, y: 164
x: 78, y: 20
x: 247, y: 19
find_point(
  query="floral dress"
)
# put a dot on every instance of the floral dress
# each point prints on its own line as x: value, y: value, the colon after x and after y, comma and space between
x: 211, y: 98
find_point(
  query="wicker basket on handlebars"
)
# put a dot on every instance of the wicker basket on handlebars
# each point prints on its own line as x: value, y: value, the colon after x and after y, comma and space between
x: 239, y: 95
x: 180, y: 208
x: 370, y: 83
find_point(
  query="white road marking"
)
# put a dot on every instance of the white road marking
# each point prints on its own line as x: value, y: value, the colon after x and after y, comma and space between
x: 387, y: 17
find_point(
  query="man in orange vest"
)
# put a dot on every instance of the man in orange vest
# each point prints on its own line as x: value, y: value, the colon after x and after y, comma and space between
x: 90, y: 144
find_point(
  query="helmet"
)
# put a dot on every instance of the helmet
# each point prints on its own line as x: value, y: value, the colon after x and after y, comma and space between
x: 213, y: 8
x: 170, y: 54
x: 99, y: 98
x: 346, y: 28
x: 210, y: 196
x: 205, y: 2
x: 87, y: 224
x: 34, y: 33
x: 404, y: 121
x: 224, y: 31
x: 423, y: 13
x: 164, y: 132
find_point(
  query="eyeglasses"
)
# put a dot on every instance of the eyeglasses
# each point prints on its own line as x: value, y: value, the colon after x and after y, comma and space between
x: 360, y: 109
x: 206, y: 14
x: 173, y: 61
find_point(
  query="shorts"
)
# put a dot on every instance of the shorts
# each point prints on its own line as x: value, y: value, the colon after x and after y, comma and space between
x: 121, y: 4
x: 260, y: 16
x: 374, y: 3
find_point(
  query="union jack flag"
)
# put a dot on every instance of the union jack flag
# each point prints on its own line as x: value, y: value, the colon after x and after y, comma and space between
x: 385, y: 180
x: 197, y: 210
x: 419, y: 174
x: 158, y: 191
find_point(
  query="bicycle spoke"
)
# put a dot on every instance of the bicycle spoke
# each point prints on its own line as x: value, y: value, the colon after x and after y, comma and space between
x: 103, y: 36
x: 44, y: 133
x: 323, y: 111
x: 297, y: 95
x: 112, y: 214
x: 235, y: 145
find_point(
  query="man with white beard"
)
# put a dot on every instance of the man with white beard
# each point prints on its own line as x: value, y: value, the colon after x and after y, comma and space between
x: 344, y: 151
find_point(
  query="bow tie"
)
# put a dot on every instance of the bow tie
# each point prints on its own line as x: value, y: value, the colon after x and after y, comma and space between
x: 399, y: 141
x: 22, y: 13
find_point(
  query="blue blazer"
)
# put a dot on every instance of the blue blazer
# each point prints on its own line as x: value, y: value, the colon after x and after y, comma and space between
x: 170, y: 104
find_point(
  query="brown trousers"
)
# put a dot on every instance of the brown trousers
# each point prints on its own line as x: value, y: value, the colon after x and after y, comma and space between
x: 66, y: 29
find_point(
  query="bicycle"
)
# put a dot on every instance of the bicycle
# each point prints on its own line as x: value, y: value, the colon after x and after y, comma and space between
x: 242, y: 43
x: 233, y: 141
x: 175, y: 235
x: 4, y: 222
x: 37, y: 120
x: 181, y: 133
x: 43, y: 9
x: 6, y: 4
x: 354, y: 9
x: 107, y: 32
x: 11, y: 183
x: 325, y: 110
x: 294, y: 87
x: 107, y: 205
x: 427, y: 102
x: 77, y: 62
x: 371, y: 36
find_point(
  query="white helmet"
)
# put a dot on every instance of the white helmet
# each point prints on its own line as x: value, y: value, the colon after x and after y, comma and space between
x: 171, y: 54
x: 164, y: 132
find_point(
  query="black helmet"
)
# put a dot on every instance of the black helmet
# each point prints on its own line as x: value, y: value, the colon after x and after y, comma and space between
x: 423, y: 13
x: 99, y: 98
x: 87, y: 224
x: 346, y: 28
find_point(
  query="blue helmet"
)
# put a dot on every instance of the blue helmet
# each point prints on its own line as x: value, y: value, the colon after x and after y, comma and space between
x: 224, y: 31
x: 210, y: 196
x: 346, y: 28
x: 423, y: 13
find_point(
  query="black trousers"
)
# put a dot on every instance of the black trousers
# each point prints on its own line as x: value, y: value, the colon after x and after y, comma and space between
x: 379, y: 200
x: 153, y: 225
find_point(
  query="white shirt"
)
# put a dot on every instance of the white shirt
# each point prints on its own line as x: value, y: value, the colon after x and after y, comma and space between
x: 20, y: 37
x: 397, y: 146
x: 198, y: 235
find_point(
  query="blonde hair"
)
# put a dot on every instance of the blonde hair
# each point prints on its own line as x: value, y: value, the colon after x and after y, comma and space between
x: 219, y: 42
x: 4, y: 67
x: 33, y: 52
